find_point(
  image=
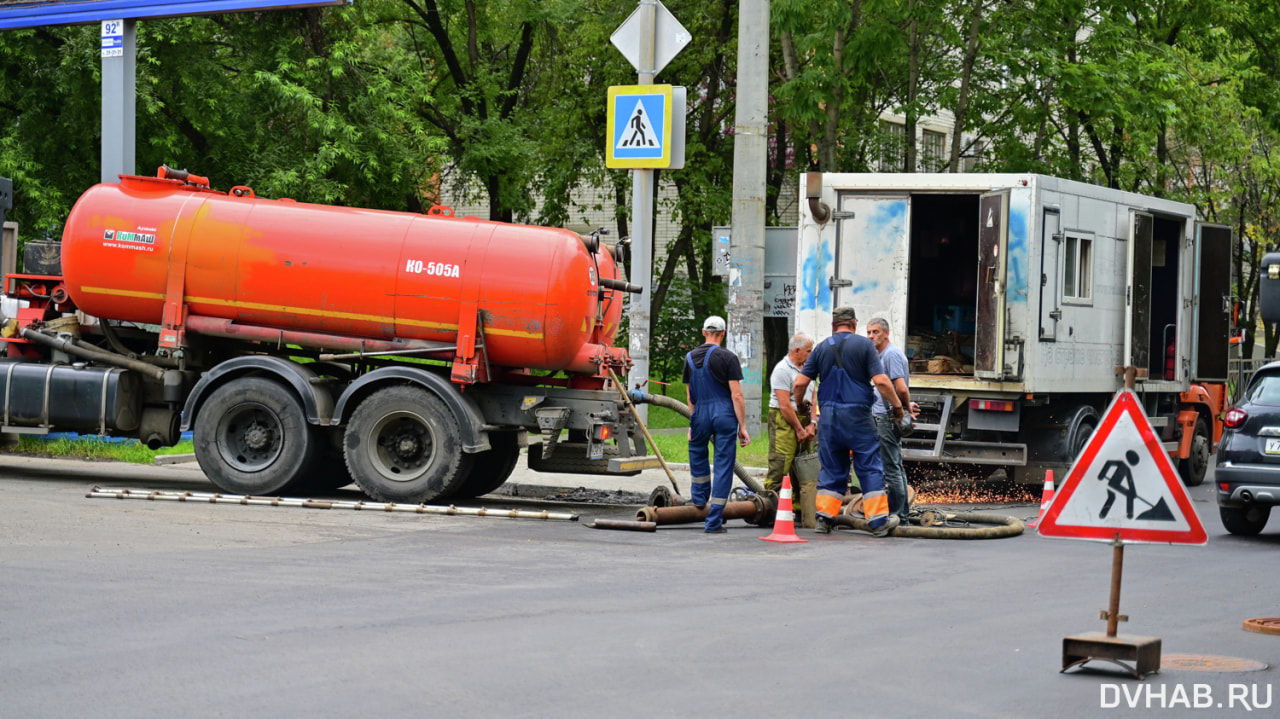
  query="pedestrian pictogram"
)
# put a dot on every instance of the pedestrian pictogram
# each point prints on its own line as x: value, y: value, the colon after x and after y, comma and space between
x: 641, y: 129
x: 1123, y: 486
x: 638, y: 132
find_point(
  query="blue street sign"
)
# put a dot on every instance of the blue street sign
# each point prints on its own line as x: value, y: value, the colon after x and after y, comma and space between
x: 639, y: 131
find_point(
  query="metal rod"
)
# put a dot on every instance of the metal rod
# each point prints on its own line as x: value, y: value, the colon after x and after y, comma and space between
x: 1117, y: 568
x: 444, y: 347
x: 213, y: 498
x: 640, y: 421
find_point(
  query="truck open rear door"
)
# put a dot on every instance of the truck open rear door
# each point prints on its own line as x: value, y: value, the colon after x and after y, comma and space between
x: 1213, y: 293
x: 993, y: 245
x: 1137, y: 296
x: 872, y: 257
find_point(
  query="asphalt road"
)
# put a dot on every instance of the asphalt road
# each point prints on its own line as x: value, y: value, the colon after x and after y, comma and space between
x: 158, y: 609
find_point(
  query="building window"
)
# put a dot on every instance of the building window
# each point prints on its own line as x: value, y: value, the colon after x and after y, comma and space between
x: 934, y: 155
x: 1077, y: 265
x: 893, y: 146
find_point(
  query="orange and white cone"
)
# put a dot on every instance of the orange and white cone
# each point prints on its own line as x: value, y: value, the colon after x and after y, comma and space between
x: 1047, y: 499
x: 784, y: 526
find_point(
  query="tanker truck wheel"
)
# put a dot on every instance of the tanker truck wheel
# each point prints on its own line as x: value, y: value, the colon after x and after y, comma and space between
x: 492, y: 468
x: 403, y: 445
x: 252, y: 437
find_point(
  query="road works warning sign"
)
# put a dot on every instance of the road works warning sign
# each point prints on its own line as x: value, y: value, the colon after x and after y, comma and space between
x: 639, y: 126
x: 1124, y: 486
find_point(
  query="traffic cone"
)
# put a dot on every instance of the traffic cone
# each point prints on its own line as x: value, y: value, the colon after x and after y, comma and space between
x: 784, y: 526
x: 1047, y: 499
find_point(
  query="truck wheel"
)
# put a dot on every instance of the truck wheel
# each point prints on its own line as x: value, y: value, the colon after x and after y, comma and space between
x: 1083, y: 422
x: 1192, y: 469
x: 403, y: 445
x: 492, y: 468
x: 251, y: 437
x: 1245, y: 521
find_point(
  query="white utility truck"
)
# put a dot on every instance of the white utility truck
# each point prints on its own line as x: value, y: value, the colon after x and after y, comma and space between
x: 1018, y: 298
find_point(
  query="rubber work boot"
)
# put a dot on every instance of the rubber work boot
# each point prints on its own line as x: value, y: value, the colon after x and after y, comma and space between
x: 822, y: 525
x: 889, y: 525
x: 808, y: 503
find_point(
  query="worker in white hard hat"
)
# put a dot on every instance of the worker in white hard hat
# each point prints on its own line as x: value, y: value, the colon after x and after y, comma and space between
x: 712, y: 379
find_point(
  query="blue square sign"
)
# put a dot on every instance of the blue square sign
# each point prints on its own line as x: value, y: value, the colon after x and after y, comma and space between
x: 639, y: 126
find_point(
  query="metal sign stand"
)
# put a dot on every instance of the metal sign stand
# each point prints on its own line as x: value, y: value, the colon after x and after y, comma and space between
x: 1143, y: 652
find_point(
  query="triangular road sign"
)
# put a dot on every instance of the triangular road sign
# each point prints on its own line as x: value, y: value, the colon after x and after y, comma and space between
x: 639, y: 131
x: 1123, y: 486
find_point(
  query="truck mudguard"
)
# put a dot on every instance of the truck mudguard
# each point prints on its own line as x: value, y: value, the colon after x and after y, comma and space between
x: 317, y: 403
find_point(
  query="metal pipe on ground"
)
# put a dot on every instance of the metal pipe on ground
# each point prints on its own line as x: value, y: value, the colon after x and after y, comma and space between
x: 1003, y: 526
x: 624, y: 524
x: 759, y: 510
x: 682, y: 409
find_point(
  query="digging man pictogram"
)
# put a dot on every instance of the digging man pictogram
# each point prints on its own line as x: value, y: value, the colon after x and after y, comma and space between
x: 1119, y: 479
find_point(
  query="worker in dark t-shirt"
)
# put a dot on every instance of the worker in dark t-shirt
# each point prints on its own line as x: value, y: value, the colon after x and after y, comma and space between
x: 712, y: 379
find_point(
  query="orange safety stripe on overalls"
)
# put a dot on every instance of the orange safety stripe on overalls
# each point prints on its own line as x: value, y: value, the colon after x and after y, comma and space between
x: 875, y: 505
x: 829, y: 504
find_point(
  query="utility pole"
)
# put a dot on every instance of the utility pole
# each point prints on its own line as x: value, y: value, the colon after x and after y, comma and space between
x: 746, y: 277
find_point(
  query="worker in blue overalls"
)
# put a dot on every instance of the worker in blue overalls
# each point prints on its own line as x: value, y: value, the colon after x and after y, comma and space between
x: 712, y: 380
x: 848, y: 367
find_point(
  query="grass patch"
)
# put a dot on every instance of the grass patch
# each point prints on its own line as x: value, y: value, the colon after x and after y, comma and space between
x: 669, y: 429
x: 96, y: 448
x: 674, y: 447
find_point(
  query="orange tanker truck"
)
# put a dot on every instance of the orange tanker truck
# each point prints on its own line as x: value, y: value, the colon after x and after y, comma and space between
x: 308, y: 346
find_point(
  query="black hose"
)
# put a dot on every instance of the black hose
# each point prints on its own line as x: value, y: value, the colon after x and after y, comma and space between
x: 682, y: 409
x: 113, y: 339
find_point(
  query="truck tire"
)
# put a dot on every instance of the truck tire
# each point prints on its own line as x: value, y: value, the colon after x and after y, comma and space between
x: 1246, y: 521
x: 491, y: 469
x: 251, y: 437
x: 1193, y: 468
x: 403, y: 445
x: 1079, y: 430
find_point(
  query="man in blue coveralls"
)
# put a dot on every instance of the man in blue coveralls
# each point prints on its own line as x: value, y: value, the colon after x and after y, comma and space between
x: 848, y: 365
x: 712, y: 379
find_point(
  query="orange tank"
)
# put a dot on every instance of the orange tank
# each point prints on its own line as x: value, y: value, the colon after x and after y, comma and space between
x: 339, y: 271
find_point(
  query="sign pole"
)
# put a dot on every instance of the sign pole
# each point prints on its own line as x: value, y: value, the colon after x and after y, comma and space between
x: 1117, y: 568
x: 642, y: 222
x: 1117, y: 552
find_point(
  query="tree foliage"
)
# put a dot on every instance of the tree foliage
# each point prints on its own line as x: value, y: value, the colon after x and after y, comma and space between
x: 387, y: 103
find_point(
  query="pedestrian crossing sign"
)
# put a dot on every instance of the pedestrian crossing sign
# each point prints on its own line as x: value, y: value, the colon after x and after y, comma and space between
x: 640, y: 126
x: 1123, y: 486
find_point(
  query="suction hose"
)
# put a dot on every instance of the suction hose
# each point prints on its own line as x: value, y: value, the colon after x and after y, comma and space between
x: 682, y: 409
x: 1003, y: 526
